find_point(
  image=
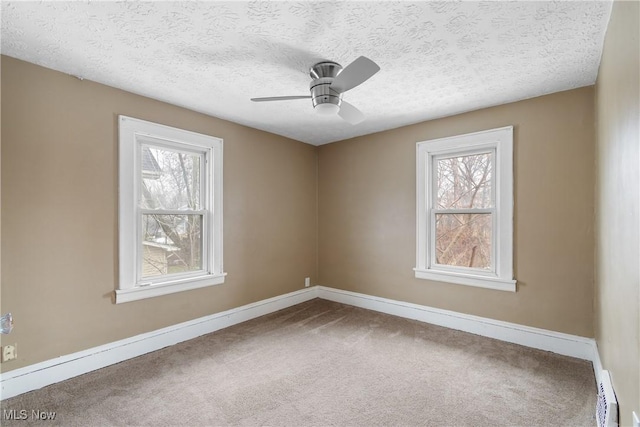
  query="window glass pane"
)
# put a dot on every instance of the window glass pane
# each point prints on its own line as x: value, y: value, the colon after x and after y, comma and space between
x: 463, y: 240
x: 170, y: 179
x: 171, y: 244
x: 464, y: 181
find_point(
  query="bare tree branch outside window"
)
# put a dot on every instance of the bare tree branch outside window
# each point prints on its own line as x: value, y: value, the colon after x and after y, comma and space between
x: 171, y: 182
x: 463, y: 239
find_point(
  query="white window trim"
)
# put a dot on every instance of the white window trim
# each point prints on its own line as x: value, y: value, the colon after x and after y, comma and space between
x: 129, y: 287
x: 500, y: 140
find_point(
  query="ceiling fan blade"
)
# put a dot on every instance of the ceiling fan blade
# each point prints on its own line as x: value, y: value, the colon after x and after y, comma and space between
x: 280, y: 98
x: 350, y: 113
x: 354, y: 74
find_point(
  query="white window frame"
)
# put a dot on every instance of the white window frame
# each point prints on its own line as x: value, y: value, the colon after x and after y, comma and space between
x: 134, y: 133
x: 500, y: 143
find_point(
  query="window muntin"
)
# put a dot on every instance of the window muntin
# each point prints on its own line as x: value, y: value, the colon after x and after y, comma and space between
x: 170, y: 210
x: 465, y: 209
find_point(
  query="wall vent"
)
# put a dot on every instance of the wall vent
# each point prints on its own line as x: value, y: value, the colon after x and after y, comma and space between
x: 607, y: 406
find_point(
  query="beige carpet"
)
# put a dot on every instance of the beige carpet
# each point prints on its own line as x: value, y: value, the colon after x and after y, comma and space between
x: 327, y: 364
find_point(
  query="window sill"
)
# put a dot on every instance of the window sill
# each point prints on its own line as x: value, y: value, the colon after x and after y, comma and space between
x: 142, y: 292
x: 467, y: 279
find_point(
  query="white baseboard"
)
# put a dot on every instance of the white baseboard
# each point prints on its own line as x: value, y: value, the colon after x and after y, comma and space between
x: 59, y: 369
x: 597, y: 363
x: 51, y: 371
x: 556, y: 342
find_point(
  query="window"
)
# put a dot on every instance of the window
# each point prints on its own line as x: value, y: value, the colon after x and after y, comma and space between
x: 465, y: 209
x: 170, y: 212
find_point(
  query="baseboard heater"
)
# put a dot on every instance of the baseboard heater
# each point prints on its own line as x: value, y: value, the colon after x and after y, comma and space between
x: 607, y: 406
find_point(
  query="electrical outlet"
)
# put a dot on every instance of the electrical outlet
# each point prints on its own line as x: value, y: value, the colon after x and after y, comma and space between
x: 9, y: 352
x: 307, y: 282
x: 636, y: 420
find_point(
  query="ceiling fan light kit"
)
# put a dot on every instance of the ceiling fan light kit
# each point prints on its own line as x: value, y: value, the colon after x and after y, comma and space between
x: 327, y: 109
x: 329, y: 82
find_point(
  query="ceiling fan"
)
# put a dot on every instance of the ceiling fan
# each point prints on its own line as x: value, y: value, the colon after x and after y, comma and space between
x: 329, y: 82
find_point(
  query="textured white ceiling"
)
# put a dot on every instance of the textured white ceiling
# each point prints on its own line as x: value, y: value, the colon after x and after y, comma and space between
x: 436, y: 58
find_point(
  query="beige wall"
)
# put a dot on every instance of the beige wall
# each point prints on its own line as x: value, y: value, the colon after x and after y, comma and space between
x: 367, y: 211
x: 618, y: 207
x: 59, y: 214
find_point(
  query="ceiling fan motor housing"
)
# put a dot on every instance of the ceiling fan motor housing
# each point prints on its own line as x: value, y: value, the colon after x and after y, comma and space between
x: 323, y: 74
x: 321, y: 93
